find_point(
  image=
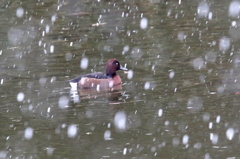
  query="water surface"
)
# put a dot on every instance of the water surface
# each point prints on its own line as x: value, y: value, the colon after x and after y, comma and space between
x: 182, y: 101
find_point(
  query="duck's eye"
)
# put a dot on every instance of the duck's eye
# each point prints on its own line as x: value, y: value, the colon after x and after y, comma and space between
x: 117, y: 63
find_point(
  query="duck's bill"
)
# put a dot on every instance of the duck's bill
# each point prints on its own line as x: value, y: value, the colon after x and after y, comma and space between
x: 123, y: 68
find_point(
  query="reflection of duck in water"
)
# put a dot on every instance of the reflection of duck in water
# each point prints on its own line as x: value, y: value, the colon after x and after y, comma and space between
x: 95, y: 83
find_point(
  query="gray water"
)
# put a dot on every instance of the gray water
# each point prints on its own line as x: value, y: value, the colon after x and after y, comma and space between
x: 181, y: 101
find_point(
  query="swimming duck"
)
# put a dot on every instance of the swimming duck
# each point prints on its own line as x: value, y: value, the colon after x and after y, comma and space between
x: 99, y: 79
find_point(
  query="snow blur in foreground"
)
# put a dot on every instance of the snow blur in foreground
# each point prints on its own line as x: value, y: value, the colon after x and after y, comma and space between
x: 234, y: 9
x: 144, y: 23
x: 28, y: 133
x: 72, y: 130
x: 20, y: 97
x: 120, y: 121
x: 63, y: 102
x: 84, y: 63
x: 20, y: 12
x: 203, y: 10
x: 230, y: 133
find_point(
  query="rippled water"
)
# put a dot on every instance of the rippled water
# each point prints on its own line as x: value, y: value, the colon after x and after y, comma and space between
x: 179, y: 100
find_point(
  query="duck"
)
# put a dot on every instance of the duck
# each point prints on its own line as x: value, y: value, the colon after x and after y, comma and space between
x: 99, y: 79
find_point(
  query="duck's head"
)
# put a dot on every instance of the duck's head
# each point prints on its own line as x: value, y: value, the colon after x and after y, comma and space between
x: 112, y: 66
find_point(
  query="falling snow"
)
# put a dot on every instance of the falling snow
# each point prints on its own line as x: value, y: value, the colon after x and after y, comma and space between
x: 42, y: 81
x: 72, y: 130
x: 124, y: 151
x: 144, y: 23
x: 107, y: 135
x: 68, y: 56
x: 207, y: 156
x: 125, y: 49
x: 198, y: 63
x: 54, y: 18
x: 3, y: 154
x: 84, y: 63
x: 176, y: 141
x: 171, y: 74
x: 130, y: 74
x: 63, y: 102
x: 210, y: 15
x: 50, y: 151
x: 211, y: 56
x: 20, y: 12
x: 203, y: 9
x: 47, y: 29
x: 230, y: 133
x: 210, y: 125
x: 185, y: 139
x: 195, y: 104
x: 28, y: 133
x: 20, y: 97
x: 136, y: 53
x: 224, y: 43
x: 181, y: 36
x: 120, y: 120
x: 234, y: 9
x: 15, y: 36
x: 218, y: 119
x: 214, y: 138
x: 147, y: 85
x: 52, y: 49
x: 160, y: 112
x: 206, y: 117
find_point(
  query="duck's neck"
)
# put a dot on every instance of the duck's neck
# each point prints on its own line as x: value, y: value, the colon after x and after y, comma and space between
x: 111, y: 74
